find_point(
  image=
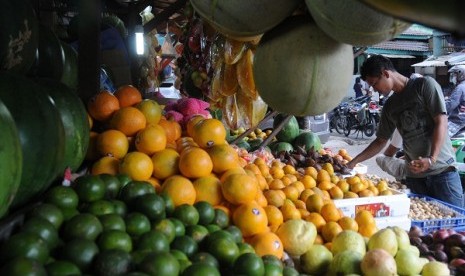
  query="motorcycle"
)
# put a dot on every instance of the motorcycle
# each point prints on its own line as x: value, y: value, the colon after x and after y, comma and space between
x: 361, y: 118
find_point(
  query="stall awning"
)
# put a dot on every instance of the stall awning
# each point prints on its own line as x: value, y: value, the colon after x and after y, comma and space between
x: 446, y: 60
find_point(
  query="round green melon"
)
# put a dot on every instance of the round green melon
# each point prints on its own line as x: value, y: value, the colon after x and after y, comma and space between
x: 289, y: 131
x: 282, y: 146
x: 73, y: 115
x: 70, y: 66
x: 352, y: 22
x: 41, y: 134
x: 308, y: 140
x: 300, y: 70
x: 11, y: 159
x: 18, y: 36
x: 244, y: 18
x: 51, y: 57
x: 434, y: 13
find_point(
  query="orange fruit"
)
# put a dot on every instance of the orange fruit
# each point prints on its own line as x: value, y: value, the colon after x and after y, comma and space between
x: 308, y: 181
x: 250, y: 218
x: 208, y: 188
x: 314, y: 203
x: 291, y: 192
x: 330, y: 212
x: 150, y: 139
x: 112, y: 143
x: 275, y: 197
x: 180, y: 189
x: 236, y: 170
x: 106, y: 164
x: 224, y: 157
x: 128, y: 95
x: 348, y: 223
x: 102, y: 106
x: 288, y: 169
x: 325, y: 185
x: 366, y: 193
x: 299, y: 185
x: 264, y: 169
x: 151, y: 110
x: 276, y: 184
x: 323, y: 176
x: 128, y: 120
x: 343, y: 185
x: 368, y: 230
x: 172, y: 129
x: 192, y: 122
x: 209, y: 132
x: 289, y: 210
x: 252, y: 167
x: 261, y: 199
x: 274, y: 215
x: 306, y: 194
x: 165, y: 163
x: 330, y: 230
x: 195, y: 162
x: 299, y: 204
x: 267, y: 243
x: 316, y: 219
x: 239, y: 188
x: 311, y: 171
x: 155, y: 183
x: 137, y: 165
x: 328, y: 167
x: 336, y: 192
x: 261, y: 182
x: 364, y: 218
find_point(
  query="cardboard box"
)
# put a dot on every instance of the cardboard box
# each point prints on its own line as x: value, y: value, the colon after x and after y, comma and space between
x: 395, y: 205
x: 403, y: 222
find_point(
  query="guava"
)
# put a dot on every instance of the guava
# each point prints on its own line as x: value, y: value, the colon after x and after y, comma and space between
x: 385, y: 239
x: 345, y: 262
x: 408, y: 263
x: 297, y: 236
x: 435, y: 268
x: 378, y: 262
x: 348, y: 240
x: 316, y: 260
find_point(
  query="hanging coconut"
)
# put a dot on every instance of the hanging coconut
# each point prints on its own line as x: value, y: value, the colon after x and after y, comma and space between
x: 244, y: 19
x: 434, y: 13
x: 352, y: 22
x: 300, y: 70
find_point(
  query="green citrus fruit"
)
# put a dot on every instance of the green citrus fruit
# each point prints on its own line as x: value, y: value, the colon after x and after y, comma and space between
x: 272, y: 259
x: 120, y: 207
x: 100, y: 207
x: 249, y: 264
x: 179, y: 227
x: 62, y: 197
x: 114, y: 239
x: 225, y: 250
x: 124, y: 179
x: 221, y: 218
x: 112, y: 185
x: 49, y: 212
x: 137, y: 224
x: 179, y: 255
x: 235, y: 232
x: 245, y: 248
x: 201, y: 269
x: 25, y: 244
x: 154, y: 241
x: 169, y: 204
x: 151, y: 205
x: 290, y: 271
x: 197, y: 232
x: 61, y: 267
x: 83, y: 226
x: 187, y: 214
x: 112, y: 222
x: 134, y: 189
x: 205, y: 257
x: 273, y: 270
x: 89, y: 188
x: 111, y: 262
x: 206, y: 212
x: 213, y: 228
x: 44, y: 229
x: 23, y: 266
x: 185, y: 244
x: 167, y: 227
x: 80, y: 252
x: 161, y: 264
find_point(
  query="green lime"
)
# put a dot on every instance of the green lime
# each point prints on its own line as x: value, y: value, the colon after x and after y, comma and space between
x: 100, y: 207
x: 221, y: 218
x: 197, y: 232
x: 112, y: 185
x: 49, y: 212
x: 167, y: 227
x: 44, y: 229
x: 179, y: 255
x: 82, y: 226
x: 272, y: 259
x: 187, y: 214
x: 183, y: 264
x: 206, y: 212
x: 80, y: 252
x: 179, y: 227
x: 23, y: 266
x: 25, y: 244
x: 220, y: 234
x: 89, y: 188
x: 154, y: 241
x: 124, y: 179
x: 290, y: 271
x: 235, y: 232
x: 151, y: 205
x: 134, y: 189
x: 111, y: 262
x: 185, y: 244
x: 245, y: 248
x: 273, y: 270
x: 169, y: 204
x: 212, y: 228
x: 112, y: 222
x: 249, y: 264
x: 224, y: 249
x: 114, y: 239
x: 69, y: 213
x: 161, y: 264
x: 137, y: 256
x: 137, y: 224
x: 59, y: 268
x: 62, y: 197
x: 205, y: 257
x: 120, y: 207
x: 201, y: 269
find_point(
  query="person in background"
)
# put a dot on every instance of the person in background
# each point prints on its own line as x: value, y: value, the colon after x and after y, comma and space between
x: 417, y: 109
x: 456, y: 100
x: 358, y: 88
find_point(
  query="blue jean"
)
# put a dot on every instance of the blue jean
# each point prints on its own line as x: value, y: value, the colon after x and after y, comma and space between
x: 445, y: 186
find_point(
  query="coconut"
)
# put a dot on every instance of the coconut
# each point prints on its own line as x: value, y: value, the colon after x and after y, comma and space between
x: 244, y: 19
x: 429, y: 13
x: 300, y: 70
x: 378, y: 262
x: 352, y: 22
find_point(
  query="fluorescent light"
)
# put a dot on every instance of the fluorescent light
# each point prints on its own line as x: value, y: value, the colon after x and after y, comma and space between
x: 139, y: 40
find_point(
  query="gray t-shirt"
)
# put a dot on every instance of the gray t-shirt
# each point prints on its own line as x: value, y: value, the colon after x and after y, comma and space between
x: 412, y: 112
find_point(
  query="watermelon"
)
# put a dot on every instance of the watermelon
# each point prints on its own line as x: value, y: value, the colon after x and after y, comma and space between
x: 290, y: 129
x: 70, y: 66
x: 11, y: 159
x: 19, y: 36
x: 51, y: 57
x: 74, y: 118
x: 282, y: 146
x: 41, y: 134
x: 307, y: 140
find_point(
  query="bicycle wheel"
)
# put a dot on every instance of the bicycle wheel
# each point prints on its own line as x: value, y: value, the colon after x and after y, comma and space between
x: 369, y: 129
x: 347, y: 127
x: 340, y: 123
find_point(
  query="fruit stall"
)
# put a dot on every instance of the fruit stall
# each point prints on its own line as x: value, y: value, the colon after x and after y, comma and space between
x: 102, y: 175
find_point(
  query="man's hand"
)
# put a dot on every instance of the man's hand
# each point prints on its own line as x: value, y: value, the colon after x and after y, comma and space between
x: 420, y: 165
x: 462, y: 108
x: 351, y: 164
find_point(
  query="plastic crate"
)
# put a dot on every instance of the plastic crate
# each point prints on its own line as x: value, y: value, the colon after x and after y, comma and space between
x: 430, y: 225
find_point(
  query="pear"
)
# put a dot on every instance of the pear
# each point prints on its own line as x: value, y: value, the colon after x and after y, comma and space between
x: 403, y: 240
x: 385, y: 239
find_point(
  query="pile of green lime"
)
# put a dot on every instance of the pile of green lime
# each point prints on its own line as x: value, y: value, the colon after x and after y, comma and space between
x: 111, y: 225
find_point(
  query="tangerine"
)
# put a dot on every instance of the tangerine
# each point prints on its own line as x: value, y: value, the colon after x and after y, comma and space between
x: 180, y: 189
x: 136, y: 165
x: 224, y: 157
x: 128, y: 95
x: 208, y: 188
x: 151, y: 110
x: 195, y: 162
x: 105, y: 165
x: 112, y: 143
x: 150, y: 139
x: 330, y: 212
x: 239, y: 188
x: 165, y: 163
x: 267, y: 243
x: 128, y: 120
x: 102, y: 106
x: 250, y: 218
x: 172, y: 129
x: 274, y: 215
x: 209, y: 132
x: 330, y: 230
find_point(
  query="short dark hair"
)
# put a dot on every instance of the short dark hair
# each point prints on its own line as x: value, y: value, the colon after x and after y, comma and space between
x: 375, y: 65
x: 357, y: 79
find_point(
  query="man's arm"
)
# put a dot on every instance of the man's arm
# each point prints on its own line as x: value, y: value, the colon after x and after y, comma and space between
x: 373, y: 148
x: 440, y: 129
x: 453, y: 101
x: 391, y: 150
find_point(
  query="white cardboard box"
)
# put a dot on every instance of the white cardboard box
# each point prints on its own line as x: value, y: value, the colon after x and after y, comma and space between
x: 395, y: 205
x: 403, y: 222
